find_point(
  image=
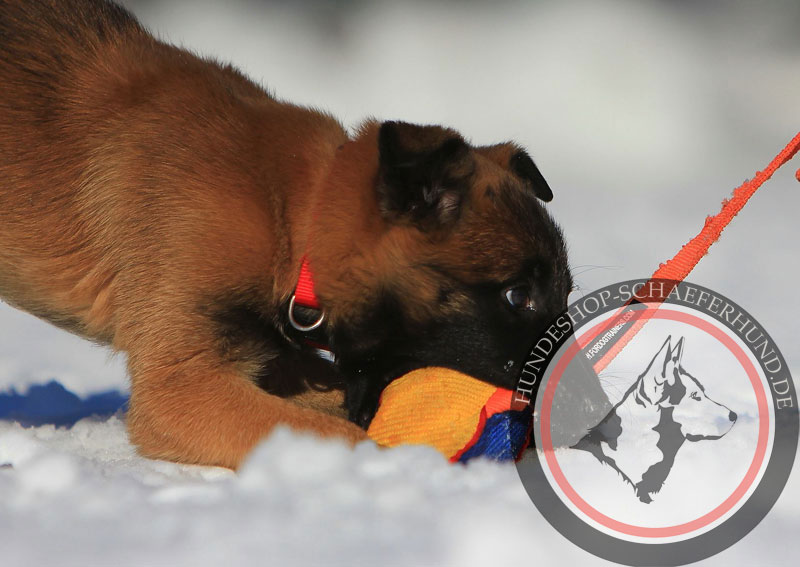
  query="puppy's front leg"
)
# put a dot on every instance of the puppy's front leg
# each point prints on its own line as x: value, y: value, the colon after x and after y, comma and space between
x: 200, y: 410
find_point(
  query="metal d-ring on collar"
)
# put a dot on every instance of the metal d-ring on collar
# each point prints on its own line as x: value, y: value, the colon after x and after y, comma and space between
x: 300, y: 327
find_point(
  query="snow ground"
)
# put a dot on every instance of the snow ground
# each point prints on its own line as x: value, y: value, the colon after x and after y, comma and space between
x: 81, y: 496
x: 89, y: 500
x: 641, y: 115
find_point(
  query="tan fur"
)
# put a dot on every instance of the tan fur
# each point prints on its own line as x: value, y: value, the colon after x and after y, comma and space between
x: 134, y: 185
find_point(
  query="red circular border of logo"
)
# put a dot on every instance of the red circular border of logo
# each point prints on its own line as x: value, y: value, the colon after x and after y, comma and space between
x: 687, y: 527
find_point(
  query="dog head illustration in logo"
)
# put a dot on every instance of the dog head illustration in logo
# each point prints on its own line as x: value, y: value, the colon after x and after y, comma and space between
x: 664, y: 407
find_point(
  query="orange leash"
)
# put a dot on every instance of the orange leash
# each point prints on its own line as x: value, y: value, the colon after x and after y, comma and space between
x: 690, y: 254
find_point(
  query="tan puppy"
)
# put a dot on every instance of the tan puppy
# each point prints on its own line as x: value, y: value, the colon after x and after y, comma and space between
x: 163, y: 204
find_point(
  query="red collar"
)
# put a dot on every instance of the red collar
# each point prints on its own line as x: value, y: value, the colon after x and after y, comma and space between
x: 304, y: 290
x: 312, y: 335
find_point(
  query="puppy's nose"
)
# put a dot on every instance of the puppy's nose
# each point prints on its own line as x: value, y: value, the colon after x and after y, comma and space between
x: 365, y: 418
x: 732, y: 416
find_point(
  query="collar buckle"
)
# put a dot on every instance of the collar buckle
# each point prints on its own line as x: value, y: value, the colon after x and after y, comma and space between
x: 309, y: 320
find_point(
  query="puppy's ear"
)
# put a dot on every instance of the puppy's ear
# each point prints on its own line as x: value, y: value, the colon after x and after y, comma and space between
x: 423, y: 174
x: 510, y: 156
x: 522, y: 165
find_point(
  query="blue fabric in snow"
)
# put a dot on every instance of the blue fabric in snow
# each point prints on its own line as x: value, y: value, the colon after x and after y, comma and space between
x: 51, y: 403
x: 503, y: 437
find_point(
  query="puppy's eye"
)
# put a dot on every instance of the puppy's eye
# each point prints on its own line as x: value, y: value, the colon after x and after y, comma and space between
x: 695, y: 396
x: 519, y: 297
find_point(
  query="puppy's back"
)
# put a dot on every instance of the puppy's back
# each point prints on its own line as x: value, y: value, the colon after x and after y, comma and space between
x: 56, y: 56
x: 43, y: 41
